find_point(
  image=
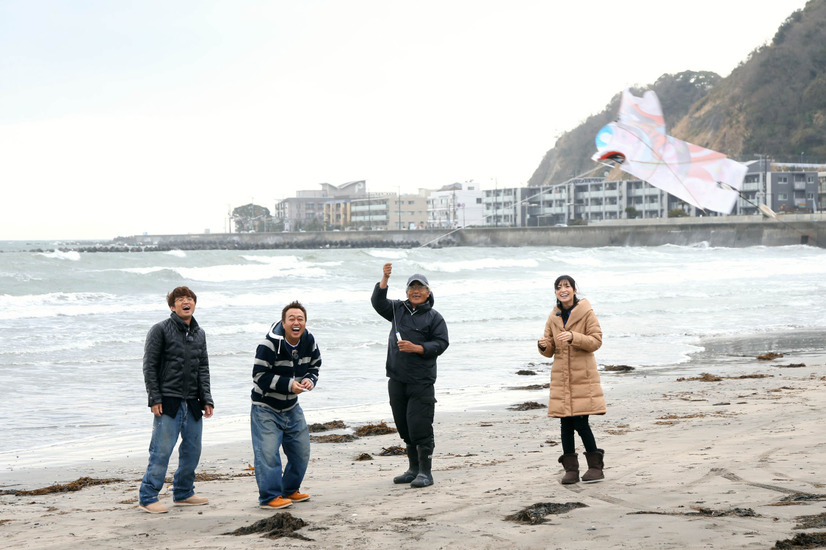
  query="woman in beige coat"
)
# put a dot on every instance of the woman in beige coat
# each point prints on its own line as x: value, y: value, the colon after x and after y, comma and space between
x: 572, y: 335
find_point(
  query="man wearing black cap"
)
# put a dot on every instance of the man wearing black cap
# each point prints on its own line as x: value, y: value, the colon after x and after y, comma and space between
x: 418, y: 336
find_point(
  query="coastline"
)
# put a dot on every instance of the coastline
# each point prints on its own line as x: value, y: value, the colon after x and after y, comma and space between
x: 689, y: 464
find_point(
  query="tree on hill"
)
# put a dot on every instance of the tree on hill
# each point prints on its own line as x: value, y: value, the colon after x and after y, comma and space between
x: 252, y: 217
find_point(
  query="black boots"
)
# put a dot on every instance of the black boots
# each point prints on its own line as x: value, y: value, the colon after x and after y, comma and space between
x: 570, y: 462
x: 424, y: 479
x: 413, y: 470
x: 595, y: 465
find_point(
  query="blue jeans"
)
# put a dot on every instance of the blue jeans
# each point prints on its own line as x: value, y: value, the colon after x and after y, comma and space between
x: 165, y: 432
x: 271, y: 431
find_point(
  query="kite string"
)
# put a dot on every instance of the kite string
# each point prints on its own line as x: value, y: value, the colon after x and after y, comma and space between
x: 543, y: 189
x: 662, y: 162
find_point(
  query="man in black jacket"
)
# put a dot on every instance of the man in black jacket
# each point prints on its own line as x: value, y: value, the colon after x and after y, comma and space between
x: 176, y: 373
x: 417, y: 337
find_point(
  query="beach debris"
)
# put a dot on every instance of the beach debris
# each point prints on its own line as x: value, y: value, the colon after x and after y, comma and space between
x: 75, y: 485
x: 621, y: 429
x: 790, y: 366
x: 535, y: 513
x: 811, y: 522
x: 707, y: 377
x: 525, y: 372
x: 708, y: 512
x: 532, y: 387
x: 740, y: 512
x: 526, y: 406
x: 280, y: 525
x: 803, y: 540
x: 799, y: 497
x: 704, y: 377
x: 618, y: 368
x: 326, y: 426
x: 769, y: 356
x: 671, y: 419
x: 375, y: 429
x: 364, y: 456
x: 333, y: 438
x: 394, y: 450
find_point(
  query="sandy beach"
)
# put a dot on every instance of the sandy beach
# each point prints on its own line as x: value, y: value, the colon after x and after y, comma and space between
x: 733, y: 462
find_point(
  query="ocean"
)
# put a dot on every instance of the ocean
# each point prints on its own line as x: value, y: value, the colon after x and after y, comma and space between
x: 73, y: 326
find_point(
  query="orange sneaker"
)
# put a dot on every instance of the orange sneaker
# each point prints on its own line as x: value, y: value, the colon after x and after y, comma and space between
x: 277, y: 502
x: 299, y: 497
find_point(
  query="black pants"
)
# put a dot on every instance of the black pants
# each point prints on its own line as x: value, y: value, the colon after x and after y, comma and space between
x: 413, y: 406
x: 579, y: 424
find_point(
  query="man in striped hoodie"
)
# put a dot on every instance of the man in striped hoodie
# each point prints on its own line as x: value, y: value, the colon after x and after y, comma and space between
x: 286, y: 365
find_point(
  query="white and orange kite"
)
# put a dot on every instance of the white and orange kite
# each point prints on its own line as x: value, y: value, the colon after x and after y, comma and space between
x: 707, y: 179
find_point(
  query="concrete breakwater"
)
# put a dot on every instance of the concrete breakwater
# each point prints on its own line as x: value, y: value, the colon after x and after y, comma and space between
x: 729, y: 232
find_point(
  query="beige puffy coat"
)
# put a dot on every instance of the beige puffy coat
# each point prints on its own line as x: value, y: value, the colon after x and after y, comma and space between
x: 575, y: 387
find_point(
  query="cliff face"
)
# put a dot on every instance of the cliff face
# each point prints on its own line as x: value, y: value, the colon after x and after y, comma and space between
x: 773, y: 103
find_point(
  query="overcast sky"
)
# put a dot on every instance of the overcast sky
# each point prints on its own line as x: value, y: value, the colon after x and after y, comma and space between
x: 159, y: 116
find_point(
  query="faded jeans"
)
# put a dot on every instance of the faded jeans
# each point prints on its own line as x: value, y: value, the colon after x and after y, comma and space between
x: 271, y: 431
x: 165, y: 432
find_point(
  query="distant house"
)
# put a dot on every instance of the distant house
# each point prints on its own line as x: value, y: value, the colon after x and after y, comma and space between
x: 307, y: 209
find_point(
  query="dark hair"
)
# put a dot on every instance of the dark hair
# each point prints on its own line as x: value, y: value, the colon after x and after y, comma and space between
x: 573, y: 285
x: 295, y: 304
x: 180, y: 292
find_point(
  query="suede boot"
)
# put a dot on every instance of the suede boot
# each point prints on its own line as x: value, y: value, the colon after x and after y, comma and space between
x: 424, y: 479
x: 570, y: 462
x: 413, y: 469
x: 595, y: 465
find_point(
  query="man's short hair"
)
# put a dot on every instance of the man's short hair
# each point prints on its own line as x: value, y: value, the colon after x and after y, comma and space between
x: 180, y: 292
x: 295, y: 304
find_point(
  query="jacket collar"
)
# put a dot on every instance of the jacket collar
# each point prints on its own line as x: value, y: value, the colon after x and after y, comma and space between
x: 582, y: 307
x: 192, y: 327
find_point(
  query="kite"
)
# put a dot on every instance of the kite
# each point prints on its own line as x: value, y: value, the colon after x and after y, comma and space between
x: 699, y: 176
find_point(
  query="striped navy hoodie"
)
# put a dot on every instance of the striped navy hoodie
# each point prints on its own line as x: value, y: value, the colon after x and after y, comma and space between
x: 277, y: 364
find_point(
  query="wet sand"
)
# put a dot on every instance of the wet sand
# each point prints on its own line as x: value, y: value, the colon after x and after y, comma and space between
x: 731, y: 460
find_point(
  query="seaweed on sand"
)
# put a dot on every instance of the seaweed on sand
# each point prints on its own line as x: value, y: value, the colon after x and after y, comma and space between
x: 75, y: 485
x: 527, y: 406
x: 280, y: 525
x: 326, y: 426
x: 535, y: 513
x: 375, y: 429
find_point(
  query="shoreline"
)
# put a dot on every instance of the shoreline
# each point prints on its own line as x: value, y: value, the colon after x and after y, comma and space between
x: 21, y: 470
x: 689, y: 464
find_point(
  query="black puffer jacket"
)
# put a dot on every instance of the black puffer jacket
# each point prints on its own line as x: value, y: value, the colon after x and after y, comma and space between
x: 175, y: 362
x: 424, y: 326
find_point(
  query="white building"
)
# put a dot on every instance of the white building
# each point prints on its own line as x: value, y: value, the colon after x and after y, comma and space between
x: 456, y: 205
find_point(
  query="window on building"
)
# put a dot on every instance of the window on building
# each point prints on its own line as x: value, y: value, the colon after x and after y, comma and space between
x: 782, y: 196
x: 782, y: 179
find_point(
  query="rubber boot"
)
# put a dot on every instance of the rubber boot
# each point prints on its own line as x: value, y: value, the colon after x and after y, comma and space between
x: 595, y: 465
x: 425, y: 478
x: 570, y: 462
x: 413, y: 470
